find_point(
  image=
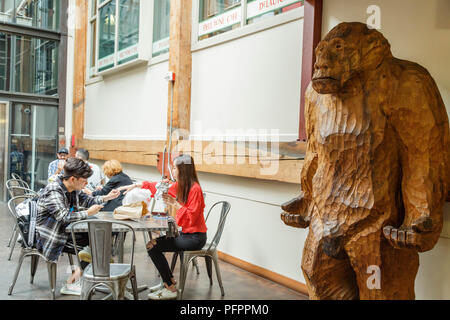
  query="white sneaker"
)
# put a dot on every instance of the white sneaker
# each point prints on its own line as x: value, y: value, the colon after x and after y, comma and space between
x: 163, y: 294
x: 158, y: 287
x: 72, y: 289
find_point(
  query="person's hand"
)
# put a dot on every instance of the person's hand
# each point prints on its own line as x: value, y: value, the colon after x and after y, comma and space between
x: 99, y: 188
x: 129, y: 188
x: 151, y: 244
x: 170, y: 201
x: 94, y: 209
x: 112, y: 195
x: 87, y: 191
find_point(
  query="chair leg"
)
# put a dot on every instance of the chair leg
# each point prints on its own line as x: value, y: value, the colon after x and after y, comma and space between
x: 208, y: 262
x: 183, y: 274
x: 174, y: 261
x: 16, y: 274
x: 34, y: 265
x: 196, y: 265
x: 72, y: 266
x: 86, y: 290
x: 51, y: 268
x: 219, y: 277
x: 13, y: 244
x: 13, y: 233
x: 134, y: 284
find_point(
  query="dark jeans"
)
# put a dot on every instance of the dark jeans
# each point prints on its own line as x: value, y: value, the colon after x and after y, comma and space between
x: 82, y: 240
x: 184, y: 242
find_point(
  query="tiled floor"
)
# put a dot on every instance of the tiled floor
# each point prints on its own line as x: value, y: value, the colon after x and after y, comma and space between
x: 239, y: 284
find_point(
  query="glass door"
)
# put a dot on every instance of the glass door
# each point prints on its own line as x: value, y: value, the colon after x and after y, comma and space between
x: 4, y: 118
x: 33, y: 142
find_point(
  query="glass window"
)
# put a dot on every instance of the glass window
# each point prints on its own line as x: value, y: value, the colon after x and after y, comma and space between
x: 6, y: 10
x: 5, y: 61
x: 33, y: 142
x: 36, y: 65
x: 107, y: 36
x: 262, y: 9
x: 128, y: 30
x: 218, y: 16
x: 117, y: 40
x: 161, y: 27
x: 42, y: 14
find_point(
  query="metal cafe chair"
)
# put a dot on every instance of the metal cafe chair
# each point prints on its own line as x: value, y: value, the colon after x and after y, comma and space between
x: 101, y: 272
x: 15, y: 191
x: 209, y: 251
x: 15, y: 176
x: 176, y: 254
x: 28, y: 251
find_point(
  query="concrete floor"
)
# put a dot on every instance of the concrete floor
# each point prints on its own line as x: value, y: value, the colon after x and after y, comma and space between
x: 238, y: 284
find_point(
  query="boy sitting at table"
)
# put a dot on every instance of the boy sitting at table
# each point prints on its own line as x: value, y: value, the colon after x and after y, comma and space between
x: 60, y: 204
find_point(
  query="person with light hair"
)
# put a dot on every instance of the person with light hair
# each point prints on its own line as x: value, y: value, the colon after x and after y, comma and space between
x: 117, y: 178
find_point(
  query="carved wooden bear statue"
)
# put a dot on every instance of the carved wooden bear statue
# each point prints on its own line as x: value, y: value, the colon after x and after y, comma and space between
x: 375, y: 175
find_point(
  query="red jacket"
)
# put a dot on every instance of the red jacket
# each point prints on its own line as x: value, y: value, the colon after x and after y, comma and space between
x: 190, y: 217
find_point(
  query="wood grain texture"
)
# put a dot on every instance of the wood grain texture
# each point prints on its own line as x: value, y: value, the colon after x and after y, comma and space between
x: 79, y: 93
x: 375, y: 175
x: 180, y: 62
x: 210, y: 156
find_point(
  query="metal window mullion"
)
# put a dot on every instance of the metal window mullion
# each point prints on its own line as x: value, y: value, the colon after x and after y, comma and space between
x: 195, y: 18
x: 102, y: 4
x: 33, y: 146
x: 97, y: 37
x: 89, y: 39
x: 116, y: 36
x: 243, y: 13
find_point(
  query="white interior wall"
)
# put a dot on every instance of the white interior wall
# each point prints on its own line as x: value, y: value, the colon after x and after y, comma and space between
x: 129, y: 105
x: 249, y: 83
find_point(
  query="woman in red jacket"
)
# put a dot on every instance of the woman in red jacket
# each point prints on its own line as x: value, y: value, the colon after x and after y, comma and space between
x: 189, y: 203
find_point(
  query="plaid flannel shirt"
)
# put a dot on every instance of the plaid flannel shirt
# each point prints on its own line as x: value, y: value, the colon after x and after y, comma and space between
x: 57, y: 208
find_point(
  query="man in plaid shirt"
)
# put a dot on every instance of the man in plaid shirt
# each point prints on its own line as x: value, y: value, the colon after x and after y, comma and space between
x: 60, y: 204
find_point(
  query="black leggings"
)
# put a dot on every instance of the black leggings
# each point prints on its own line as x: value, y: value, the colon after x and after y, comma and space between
x: 184, y: 242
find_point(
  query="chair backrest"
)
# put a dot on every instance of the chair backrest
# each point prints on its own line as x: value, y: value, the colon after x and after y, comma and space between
x: 12, y: 203
x: 17, y: 182
x: 223, y: 216
x: 100, y: 239
x: 15, y: 176
x: 20, y: 191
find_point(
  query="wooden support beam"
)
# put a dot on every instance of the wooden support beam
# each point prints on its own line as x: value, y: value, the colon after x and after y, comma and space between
x: 180, y: 62
x: 79, y: 93
x: 312, y: 33
x: 280, y: 163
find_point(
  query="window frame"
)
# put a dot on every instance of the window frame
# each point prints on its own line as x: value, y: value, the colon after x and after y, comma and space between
x: 244, y: 29
x: 144, y: 49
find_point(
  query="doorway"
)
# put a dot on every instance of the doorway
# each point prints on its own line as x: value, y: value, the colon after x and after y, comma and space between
x: 4, y: 127
x: 33, y: 142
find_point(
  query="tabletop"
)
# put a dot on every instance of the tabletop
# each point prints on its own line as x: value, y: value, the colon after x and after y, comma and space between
x: 146, y: 223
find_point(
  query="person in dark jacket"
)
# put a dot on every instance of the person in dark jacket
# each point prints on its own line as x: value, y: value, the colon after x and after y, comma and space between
x: 113, y: 170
